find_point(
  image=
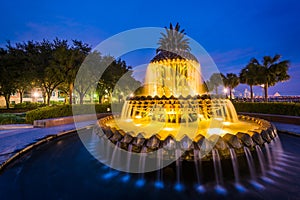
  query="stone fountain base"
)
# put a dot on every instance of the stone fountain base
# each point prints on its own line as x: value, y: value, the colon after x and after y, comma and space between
x: 200, y: 147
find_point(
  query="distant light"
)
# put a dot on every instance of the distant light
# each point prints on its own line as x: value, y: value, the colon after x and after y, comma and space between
x: 225, y: 90
x: 108, y: 109
x: 35, y: 94
x: 131, y: 95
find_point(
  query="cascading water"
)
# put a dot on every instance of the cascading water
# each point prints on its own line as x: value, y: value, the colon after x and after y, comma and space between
x: 235, y: 166
x: 261, y: 159
x: 250, y: 162
x: 205, y: 129
x: 217, y: 167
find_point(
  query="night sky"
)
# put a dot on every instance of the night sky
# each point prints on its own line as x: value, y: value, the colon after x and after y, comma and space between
x: 232, y: 32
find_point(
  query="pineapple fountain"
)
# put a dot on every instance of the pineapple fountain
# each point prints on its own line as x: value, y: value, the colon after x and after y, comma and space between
x: 174, y: 123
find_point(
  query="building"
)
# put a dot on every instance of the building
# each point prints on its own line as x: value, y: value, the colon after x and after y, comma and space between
x: 34, y: 95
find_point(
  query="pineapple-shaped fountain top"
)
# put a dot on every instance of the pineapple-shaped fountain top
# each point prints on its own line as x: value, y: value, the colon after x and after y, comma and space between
x: 174, y: 71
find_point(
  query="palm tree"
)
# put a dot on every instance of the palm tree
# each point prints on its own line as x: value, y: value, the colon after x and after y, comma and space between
x: 173, y: 44
x: 173, y: 40
x: 249, y: 75
x: 231, y: 81
x: 273, y: 71
x: 215, y: 80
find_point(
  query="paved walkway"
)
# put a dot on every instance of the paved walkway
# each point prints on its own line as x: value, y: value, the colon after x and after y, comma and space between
x: 16, y: 137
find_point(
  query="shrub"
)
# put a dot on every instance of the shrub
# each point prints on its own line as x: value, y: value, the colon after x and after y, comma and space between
x: 28, y: 105
x: 280, y: 108
x: 63, y: 111
x: 57, y: 102
x: 11, y: 119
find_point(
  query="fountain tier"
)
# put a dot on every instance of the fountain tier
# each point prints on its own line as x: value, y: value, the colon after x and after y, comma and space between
x: 174, y: 110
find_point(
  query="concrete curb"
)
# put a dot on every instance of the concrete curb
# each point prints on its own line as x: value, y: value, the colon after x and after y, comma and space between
x: 15, y: 126
x: 44, y: 123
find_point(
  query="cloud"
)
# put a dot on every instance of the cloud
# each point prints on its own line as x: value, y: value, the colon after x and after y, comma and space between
x: 233, y: 60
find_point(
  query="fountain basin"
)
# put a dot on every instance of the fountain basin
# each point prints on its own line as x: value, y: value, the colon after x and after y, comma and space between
x: 263, y: 132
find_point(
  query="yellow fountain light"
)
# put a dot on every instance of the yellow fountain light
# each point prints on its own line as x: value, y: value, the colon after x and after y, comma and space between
x: 200, y: 116
x: 138, y: 117
x: 171, y: 112
x: 226, y: 123
x: 217, y: 131
x: 168, y: 129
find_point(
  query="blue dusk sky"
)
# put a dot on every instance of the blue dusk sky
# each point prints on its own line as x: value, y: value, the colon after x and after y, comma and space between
x: 232, y: 32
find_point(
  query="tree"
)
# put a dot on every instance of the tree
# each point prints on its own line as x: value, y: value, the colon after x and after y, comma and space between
x: 117, y: 78
x: 173, y: 44
x: 173, y: 40
x: 249, y: 75
x: 70, y: 58
x: 24, y: 73
x: 88, y: 78
x: 231, y: 81
x: 215, y: 80
x: 50, y: 73
x: 8, y: 73
x: 272, y: 71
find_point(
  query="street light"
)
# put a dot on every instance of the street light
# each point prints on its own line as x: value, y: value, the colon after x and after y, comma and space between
x: 225, y: 90
x: 35, y: 94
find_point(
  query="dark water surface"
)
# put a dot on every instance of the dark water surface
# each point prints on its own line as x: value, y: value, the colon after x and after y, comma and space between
x: 64, y: 169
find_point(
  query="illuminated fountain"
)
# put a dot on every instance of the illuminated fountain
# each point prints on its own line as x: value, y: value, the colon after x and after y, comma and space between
x: 178, y: 124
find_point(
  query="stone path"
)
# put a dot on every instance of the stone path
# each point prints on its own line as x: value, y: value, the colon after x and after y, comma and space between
x: 16, y: 137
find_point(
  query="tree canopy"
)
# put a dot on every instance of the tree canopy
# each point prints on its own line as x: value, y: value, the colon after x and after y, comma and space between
x: 51, y: 65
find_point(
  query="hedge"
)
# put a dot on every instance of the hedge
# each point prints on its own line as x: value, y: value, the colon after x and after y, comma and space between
x: 279, y: 108
x: 63, y: 111
x: 8, y: 118
x: 28, y: 105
